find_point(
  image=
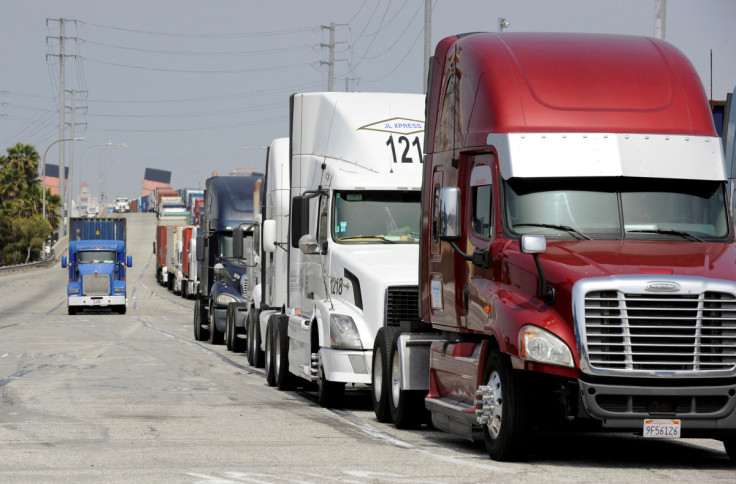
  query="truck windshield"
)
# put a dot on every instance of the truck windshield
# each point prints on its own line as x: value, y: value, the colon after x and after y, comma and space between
x: 96, y: 257
x: 377, y: 216
x: 617, y: 207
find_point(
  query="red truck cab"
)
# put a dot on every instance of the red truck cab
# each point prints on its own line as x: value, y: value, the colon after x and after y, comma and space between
x: 577, y: 260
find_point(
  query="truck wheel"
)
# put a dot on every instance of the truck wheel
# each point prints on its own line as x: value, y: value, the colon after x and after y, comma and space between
x: 406, y: 406
x: 507, y: 431
x: 200, y: 318
x: 730, y: 445
x: 330, y: 394
x: 255, y: 353
x: 215, y: 337
x: 121, y: 309
x: 284, y: 379
x: 269, y: 360
x: 71, y: 310
x: 234, y: 344
x: 229, y: 329
x: 381, y: 378
x: 183, y: 291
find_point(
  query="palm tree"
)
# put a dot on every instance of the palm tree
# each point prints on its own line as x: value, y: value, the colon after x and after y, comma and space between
x: 23, y: 158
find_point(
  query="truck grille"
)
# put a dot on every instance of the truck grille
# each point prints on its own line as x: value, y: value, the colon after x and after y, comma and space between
x: 660, y: 332
x: 244, y: 285
x: 402, y: 304
x: 96, y: 284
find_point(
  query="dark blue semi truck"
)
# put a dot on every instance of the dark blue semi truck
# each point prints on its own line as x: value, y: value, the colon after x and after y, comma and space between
x: 97, y: 264
x: 229, y: 203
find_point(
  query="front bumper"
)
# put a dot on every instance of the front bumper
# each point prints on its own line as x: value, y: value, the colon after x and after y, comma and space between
x: 97, y: 301
x: 220, y: 318
x: 349, y: 366
x: 626, y: 406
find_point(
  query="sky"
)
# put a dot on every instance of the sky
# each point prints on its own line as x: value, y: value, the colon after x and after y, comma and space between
x: 194, y: 87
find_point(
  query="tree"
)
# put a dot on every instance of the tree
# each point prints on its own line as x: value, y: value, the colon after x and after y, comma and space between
x: 34, y: 232
x: 23, y: 158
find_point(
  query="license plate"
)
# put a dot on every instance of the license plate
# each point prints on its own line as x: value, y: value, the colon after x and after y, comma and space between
x: 661, y: 429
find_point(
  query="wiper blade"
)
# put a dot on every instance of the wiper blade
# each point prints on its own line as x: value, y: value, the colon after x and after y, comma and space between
x: 564, y: 228
x: 681, y: 233
x: 377, y: 237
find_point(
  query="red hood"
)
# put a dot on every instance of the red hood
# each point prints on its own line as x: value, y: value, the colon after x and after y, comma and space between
x: 565, y: 262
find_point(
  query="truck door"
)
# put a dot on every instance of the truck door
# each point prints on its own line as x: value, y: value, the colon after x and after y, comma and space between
x: 480, y: 207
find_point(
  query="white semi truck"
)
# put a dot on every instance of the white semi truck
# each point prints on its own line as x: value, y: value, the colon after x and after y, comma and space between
x: 340, y: 237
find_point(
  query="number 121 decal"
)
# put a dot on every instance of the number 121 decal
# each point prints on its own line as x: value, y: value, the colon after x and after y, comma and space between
x: 403, y: 140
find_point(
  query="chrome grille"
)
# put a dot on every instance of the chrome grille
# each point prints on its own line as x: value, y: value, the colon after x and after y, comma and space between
x: 96, y: 284
x: 647, y: 332
x: 402, y: 304
x: 244, y: 285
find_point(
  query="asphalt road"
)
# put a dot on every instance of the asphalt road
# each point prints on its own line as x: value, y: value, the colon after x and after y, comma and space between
x: 134, y: 398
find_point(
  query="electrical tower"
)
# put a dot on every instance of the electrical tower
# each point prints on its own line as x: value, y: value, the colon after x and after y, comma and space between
x: 331, y: 62
x: 62, y: 110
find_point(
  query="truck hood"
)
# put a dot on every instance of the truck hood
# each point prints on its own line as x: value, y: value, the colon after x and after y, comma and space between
x: 380, y: 264
x: 570, y: 261
x: 362, y: 275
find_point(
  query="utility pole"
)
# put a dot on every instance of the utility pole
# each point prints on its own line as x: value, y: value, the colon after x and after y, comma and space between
x: 427, y: 40
x: 660, y: 19
x: 331, y: 62
x: 62, y: 112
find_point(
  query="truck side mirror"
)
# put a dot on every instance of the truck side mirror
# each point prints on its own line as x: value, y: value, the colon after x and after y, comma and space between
x: 200, y: 248
x: 269, y: 235
x: 63, y: 262
x: 299, y: 219
x: 533, y: 244
x: 308, y: 244
x: 449, y: 214
x: 219, y: 272
x: 130, y: 261
x: 238, y: 242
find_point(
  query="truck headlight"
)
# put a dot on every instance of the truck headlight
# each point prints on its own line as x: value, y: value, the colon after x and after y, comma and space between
x: 73, y: 291
x: 537, y: 344
x: 119, y: 289
x: 224, y: 299
x: 343, y: 333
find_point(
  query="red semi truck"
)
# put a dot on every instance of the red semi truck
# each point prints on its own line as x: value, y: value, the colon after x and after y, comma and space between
x: 577, y: 262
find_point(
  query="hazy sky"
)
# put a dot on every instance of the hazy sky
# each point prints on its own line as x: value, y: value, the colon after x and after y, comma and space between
x: 187, y: 84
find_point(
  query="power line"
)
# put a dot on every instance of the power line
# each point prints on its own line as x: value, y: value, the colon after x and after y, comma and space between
x: 211, y: 98
x: 193, y: 71
x: 201, y: 53
x: 257, y: 122
x: 214, y: 36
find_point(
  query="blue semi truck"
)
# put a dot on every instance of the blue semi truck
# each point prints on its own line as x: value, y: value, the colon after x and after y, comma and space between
x: 229, y: 202
x: 97, y: 264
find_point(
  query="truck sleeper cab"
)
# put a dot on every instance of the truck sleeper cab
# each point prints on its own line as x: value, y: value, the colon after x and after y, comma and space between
x: 577, y: 248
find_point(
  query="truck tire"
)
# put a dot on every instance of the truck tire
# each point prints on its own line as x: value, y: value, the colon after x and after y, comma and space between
x: 406, y: 406
x: 184, y: 294
x: 215, y: 337
x: 234, y: 344
x: 284, y: 379
x: 330, y: 394
x: 200, y: 318
x: 507, y: 432
x: 255, y: 353
x: 71, y: 310
x: 381, y: 377
x: 121, y: 309
x: 269, y: 360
